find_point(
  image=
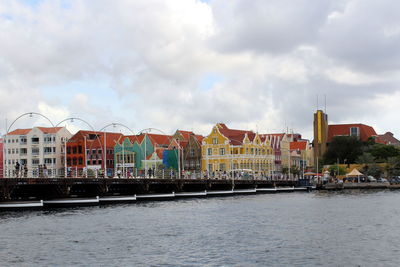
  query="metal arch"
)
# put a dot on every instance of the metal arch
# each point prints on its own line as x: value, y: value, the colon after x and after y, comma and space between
x: 29, y: 113
x: 20, y: 116
x: 115, y: 124
x: 75, y: 118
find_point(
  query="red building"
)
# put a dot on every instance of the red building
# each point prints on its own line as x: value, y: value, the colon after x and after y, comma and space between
x: 361, y: 131
x: 86, y: 149
x: 1, y: 158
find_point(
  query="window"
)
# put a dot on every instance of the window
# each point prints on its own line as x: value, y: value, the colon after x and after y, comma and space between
x: 47, y: 161
x: 35, y: 140
x: 222, y: 167
x: 23, y: 151
x: 74, y: 150
x: 35, y: 151
x: 22, y: 140
x: 209, y: 151
x: 192, y: 152
x: 47, y: 150
x: 222, y: 151
x: 35, y: 161
x: 215, y: 141
x: 354, y: 131
x: 210, y: 167
x: 80, y: 149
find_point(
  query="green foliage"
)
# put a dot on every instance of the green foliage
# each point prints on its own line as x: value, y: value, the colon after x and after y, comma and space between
x: 333, y: 170
x: 343, y: 147
x: 365, y: 158
x: 373, y: 170
x: 382, y: 153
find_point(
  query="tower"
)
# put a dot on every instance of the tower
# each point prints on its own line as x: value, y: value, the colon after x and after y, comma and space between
x: 320, y: 134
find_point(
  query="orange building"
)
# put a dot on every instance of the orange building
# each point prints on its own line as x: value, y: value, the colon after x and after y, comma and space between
x: 86, y: 149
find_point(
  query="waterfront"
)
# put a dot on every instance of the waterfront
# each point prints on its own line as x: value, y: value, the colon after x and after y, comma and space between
x: 351, y: 228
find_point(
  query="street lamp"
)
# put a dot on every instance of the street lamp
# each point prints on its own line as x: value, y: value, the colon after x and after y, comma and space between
x: 146, y: 131
x: 114, y: 124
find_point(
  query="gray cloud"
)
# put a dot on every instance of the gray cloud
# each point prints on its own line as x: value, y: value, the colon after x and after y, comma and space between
x: 273, y: 58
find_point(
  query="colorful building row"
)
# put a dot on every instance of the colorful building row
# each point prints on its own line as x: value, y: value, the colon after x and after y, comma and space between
x: 224, y: 150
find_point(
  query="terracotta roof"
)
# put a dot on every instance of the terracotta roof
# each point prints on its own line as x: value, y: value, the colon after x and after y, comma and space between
x: 235, y: 136
x: 199, y: 138
x: 387, y: 138
x: 185, y: 134
x: 111, y: 138
x: 344, y: 130
x: 49, y: 129
x: 300, y: 145
x: 20, y: 132
x: 159, y: 139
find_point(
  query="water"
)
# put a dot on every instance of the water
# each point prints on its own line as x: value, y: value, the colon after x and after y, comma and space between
x: 293, y: 229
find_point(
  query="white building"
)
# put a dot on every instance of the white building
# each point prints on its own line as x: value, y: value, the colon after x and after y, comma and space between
x: 34, y: 147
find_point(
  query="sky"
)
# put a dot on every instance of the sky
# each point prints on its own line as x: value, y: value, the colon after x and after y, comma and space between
x: 261, y: 65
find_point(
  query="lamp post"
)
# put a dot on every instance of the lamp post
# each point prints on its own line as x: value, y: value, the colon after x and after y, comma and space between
x: 114, y: 124
x: 146, y: 131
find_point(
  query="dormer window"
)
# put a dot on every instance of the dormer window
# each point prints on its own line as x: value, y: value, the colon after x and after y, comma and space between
x: 355, y: 131
x: 215, y: 141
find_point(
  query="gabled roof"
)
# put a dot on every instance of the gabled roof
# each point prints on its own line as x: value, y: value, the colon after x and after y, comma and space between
x: 159, y: 139
x: 111, y: 138
x: 185, y: 134
x: 388, y: 139
x: 299, y: 145
x: 48, y: 130
x: 235, y: 137
x: 45, y: 130
x: 366, y: 131
x: 20, y: 132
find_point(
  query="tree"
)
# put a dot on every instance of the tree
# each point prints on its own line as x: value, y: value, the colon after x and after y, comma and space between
x: 333, y: 170
x: 365, y: 158
x: 373, y: 170
x: 382, y: 152
x: 343, y: 147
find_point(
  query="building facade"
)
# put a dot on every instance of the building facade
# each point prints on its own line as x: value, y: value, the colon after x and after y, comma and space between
x: 35, y: 148
x: 91, y: 150
x: 227, y: 150
x: 189, y: 145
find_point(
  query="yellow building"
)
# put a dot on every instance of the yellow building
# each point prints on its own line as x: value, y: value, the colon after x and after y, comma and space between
x: 226, y: 150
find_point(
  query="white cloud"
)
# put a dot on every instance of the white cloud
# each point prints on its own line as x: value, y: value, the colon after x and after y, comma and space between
x: 273, y: 58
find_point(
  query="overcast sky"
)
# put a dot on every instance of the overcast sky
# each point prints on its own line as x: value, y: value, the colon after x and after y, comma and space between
x: 256, y: 65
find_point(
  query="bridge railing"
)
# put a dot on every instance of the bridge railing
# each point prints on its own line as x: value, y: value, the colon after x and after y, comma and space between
x: 133, y: 173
